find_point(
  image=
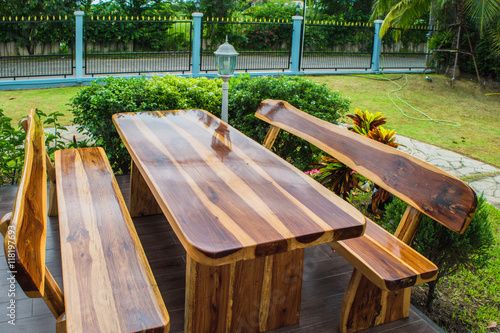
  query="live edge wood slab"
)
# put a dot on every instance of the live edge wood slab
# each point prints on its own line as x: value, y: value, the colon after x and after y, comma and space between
x: 385, y: 266
x: 243, y: 215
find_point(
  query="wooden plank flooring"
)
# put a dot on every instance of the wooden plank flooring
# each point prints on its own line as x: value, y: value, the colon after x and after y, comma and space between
x: 326, y: 275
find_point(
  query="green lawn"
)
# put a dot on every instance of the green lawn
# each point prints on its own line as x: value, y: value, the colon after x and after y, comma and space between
x: 466, y: 103
x: 17, y: 103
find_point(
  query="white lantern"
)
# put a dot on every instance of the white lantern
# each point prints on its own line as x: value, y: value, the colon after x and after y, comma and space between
x: 225, y: 59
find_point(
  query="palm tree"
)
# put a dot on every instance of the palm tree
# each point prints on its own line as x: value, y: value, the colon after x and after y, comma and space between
x: 484, y: 14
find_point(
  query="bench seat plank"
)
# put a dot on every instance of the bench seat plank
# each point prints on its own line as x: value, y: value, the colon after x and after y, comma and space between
x: 108, y: 284
x: 385, y: 260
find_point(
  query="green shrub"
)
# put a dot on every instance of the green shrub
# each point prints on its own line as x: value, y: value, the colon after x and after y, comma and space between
x: 12, y: 154
x: 313, y: 98
x: 94, y: 105
x: 447, y: 249
x: 12, y: 143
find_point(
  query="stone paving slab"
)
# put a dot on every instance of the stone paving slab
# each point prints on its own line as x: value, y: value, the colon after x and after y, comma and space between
x: 459, y: 166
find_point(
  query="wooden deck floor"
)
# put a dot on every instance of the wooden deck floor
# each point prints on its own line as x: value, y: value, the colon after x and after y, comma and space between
x: 326, y: 275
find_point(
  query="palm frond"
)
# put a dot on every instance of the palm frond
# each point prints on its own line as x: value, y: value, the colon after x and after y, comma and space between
x: 404, y: 13
x: 494, y: 33
x: 482, y: 12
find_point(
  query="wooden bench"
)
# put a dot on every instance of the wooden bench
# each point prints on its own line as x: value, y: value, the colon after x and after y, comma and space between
x: 385, y: 267
x: 108, y: 284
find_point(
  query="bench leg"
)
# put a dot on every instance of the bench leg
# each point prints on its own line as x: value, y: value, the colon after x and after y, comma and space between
x: 142, y: 201
x: 247, y: 296
x: 52, y: 198
x: 365, y: 305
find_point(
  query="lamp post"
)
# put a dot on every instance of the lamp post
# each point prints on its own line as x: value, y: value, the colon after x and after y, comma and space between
x: 225, y: 60
x: 78, y: 4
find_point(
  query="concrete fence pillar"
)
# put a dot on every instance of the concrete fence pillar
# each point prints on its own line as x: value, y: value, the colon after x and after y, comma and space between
x: 295, y: 56
x: 79, y: 45
x: 377, y: 46
x: 195, y: 55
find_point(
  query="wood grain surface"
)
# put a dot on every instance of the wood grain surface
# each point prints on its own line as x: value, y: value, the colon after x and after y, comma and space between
x: 108, y: 284
x: 227, y: 197
x: 247, y: 296
x: 29, y: 216
x: 385, y: 260
x: 429, y: 189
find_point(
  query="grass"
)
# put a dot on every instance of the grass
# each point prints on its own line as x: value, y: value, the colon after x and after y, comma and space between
x: 17, y: 103
x: 468, y: 301
x: 474, y: 177
x: 479, y: 134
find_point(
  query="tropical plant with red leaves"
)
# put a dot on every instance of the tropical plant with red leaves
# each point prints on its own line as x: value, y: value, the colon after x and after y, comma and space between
x: 364, y: 121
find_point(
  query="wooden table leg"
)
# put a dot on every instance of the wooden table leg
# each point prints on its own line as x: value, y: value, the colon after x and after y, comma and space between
x: 247, y: 296
x: 142, y: 201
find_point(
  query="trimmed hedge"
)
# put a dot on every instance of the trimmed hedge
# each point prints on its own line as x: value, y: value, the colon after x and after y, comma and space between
x: 94, y: 105
x: 311, y: 97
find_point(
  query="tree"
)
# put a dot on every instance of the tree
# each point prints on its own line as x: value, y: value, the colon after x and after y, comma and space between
x: 30, y: 33
x: 137, y: 7
x: 483, y: 14
x: 349, y: 10
x: 217, y: 8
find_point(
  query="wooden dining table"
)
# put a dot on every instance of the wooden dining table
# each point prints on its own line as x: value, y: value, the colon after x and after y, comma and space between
x: 243, y: 214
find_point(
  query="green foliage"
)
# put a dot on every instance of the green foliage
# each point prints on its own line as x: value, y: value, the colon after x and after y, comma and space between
x: 337, y: 177
x: 10, y: 141
x: 476, y: 292
x: 448, y: 250
x: 94, y: 105
x: 365, y: 121
x: 313, y: 98
x: 217, y: 8
x: 487, y: 63
x: 483, y: 15
x: 273, y: 9
x: 53, y: 140
x: 262, y: 37
x: 343, y: 180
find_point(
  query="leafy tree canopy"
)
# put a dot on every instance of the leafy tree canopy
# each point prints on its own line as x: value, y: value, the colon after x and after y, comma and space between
x: 483, y: 14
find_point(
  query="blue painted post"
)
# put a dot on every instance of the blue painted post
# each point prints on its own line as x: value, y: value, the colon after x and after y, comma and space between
x: 377, y: 46
x: 195, y: 57
x: 79, y: 45
x: 295, y: 56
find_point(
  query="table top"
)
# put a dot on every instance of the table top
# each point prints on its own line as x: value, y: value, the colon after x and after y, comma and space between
x: 227, y: 197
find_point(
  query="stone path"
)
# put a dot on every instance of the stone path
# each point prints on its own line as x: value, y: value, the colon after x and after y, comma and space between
x: 486, y: 177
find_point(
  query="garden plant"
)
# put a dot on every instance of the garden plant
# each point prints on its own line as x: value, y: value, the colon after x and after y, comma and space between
x: 94, y: 105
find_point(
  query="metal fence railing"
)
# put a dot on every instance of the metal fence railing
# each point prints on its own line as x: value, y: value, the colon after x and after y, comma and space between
x: 43, y: 46
x: 26, y: 50
x: 408, y: 52
x: 335, y: 45
x: 140, y: 46
x: 261, y: 45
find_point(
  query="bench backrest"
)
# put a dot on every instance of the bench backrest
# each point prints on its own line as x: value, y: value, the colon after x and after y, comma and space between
x: 29, y: 216
x: 25, y: 228
x: 423, y: 186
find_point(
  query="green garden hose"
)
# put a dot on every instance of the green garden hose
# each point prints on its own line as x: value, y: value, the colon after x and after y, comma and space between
x: 400, y: 87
